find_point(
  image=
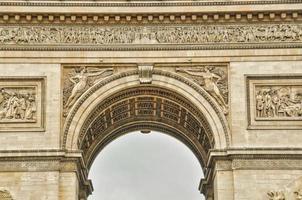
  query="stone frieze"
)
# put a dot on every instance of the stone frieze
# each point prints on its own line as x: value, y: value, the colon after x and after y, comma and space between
x: 75, y: 35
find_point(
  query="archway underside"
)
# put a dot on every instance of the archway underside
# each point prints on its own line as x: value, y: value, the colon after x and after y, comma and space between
x: 146, y: 107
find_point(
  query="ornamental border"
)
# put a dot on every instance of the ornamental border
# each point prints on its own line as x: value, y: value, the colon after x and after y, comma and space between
x: 149, y: 4
x: 156, y: 47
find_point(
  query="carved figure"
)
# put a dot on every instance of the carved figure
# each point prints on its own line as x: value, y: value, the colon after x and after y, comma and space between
x: 31, y: 107
x: 210, y: 83
x: 5, y: 195
x: 80, y: 83
x: 259, y: 104
x: 278, y: 101
x: 298, y: 194
x: 15, y: 105
x: 12, y: 106
x: 276, y: 195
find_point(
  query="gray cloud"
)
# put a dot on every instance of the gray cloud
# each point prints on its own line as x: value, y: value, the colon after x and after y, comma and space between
x: 144, y: 167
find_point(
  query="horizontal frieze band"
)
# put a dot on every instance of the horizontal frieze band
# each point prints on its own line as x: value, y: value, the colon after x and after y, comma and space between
x: 140, y: 3
x: 267, y: 164
x: 151, y: 37
x: 108, y: 18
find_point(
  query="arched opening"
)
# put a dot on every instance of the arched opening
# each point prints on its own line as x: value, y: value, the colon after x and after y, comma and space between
x: 146, y: 166
x: 171, y: 104
x: 145, y: 108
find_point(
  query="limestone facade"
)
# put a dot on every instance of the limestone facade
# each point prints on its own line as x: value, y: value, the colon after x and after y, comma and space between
x: 224, y: 77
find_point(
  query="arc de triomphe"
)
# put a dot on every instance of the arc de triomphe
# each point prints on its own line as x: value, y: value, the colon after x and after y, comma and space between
x: 222, y: 76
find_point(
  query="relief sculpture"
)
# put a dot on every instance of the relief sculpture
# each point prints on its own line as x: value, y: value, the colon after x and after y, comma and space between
x: 17, y: 104
x: 278, y: 101
x: 213, y: 80
x: 287, y: 194
x: 276, y: 195
x: 78, y: 80
x: 198, y: 34
x: 298, y: 194
x: 291, y: 191
x: 5, y: 195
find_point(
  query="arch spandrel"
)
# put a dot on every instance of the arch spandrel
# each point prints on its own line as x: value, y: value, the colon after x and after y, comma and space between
x: 210, y: 114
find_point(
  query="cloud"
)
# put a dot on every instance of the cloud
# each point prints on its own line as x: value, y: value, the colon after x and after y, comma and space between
x: 144, y: 167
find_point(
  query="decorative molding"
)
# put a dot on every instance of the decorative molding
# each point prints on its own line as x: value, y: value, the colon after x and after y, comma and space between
x: 152, y: 18
x: 274, y: 102
x: 214, y: 79
x: 267, y: 164
x: 75, y: 3
x: 223, y: 165
x: 27, y: 166
x: 22, y: 103
x: 52, y: 37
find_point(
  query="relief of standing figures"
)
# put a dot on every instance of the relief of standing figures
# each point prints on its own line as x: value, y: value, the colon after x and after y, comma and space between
x: 16, y: 105
x: 274, y: 102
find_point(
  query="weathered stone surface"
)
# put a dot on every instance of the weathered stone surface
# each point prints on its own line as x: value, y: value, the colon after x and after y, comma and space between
x: 224, y: 77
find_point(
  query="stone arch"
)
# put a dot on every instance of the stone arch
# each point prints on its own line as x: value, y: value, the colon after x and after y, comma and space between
x: 212, y: 133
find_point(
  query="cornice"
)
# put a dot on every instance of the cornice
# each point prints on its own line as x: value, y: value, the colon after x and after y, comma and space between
x: 46, y: 161
x: 117, y: 3
x: 203, y: 17
x: 149, y: 47
x: 254, y: 154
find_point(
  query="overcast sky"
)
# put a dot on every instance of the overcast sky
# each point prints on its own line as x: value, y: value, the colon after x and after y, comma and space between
x: 151, y: 166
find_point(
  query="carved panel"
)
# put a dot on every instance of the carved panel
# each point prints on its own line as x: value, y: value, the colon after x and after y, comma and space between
x: 76, y: 80
x: 274, y: 102
x: 214, y: 79
x: 21, y: 104
x: 291, y: 191
x: 119, y: 36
